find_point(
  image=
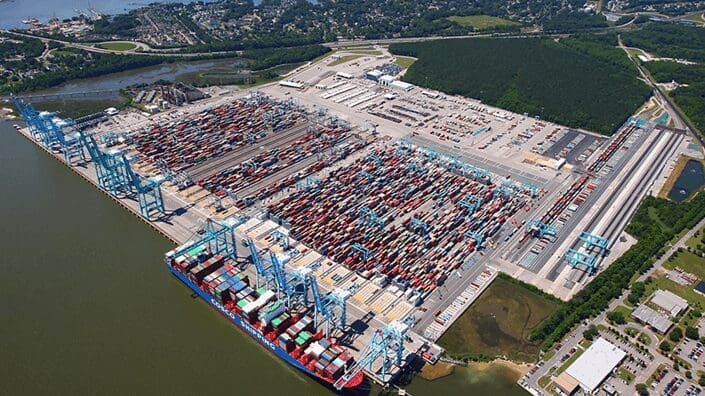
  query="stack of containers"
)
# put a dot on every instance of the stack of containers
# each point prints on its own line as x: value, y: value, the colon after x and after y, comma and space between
x: 234, y: 283
x: 201, y: 270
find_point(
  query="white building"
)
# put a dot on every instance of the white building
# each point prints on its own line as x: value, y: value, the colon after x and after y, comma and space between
x: 291, y: 84
x: 404, y: 86
x: 669, y: 302
x: 344, y: 75
x: 595, y: 364
x: 386, y: 80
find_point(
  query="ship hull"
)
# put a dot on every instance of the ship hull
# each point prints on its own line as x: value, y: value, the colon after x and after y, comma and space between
x: 251, y: 331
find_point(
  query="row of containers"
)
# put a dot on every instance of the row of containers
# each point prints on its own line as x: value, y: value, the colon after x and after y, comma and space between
x: 210, y: 134
x: 327, y: 145
x: 240, y: 127
x: 448, y: 316
x: 402, y: 212
x: 292, y: 332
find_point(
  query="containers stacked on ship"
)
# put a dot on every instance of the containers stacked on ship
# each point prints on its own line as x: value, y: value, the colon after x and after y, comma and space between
x: 328, y: 360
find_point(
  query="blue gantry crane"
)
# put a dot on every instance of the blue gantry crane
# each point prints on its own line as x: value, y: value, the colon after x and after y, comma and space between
x: 265, y: 274
x: 281, y: 238
x: 592, y: 241
x: 576, y: 257
x: 364, y: 252
x: 470, y: 202
x: 331, y: 307
x: 309, y: 183
x: 148, y: 190
x: 420, y: 226
x: 218, y: 237
x: 108, y: 166
x: 386, y: 343
x: 369, y: 217
x: 539, y: 229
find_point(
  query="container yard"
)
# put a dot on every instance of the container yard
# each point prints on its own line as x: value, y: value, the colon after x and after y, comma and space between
x: 347, y: 222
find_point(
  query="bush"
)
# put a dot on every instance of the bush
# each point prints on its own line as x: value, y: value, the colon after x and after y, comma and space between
x: 642, y: 390
x: 616, y: 317
x: 692, y: 333
x: 591, y: 333
x: 665, y: 346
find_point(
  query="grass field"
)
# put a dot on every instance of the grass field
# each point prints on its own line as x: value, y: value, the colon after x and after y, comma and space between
x: 499, y: 322
x: 79, y: 108
x: 481, y: 22
x: 117, y: 46
x: 343, y: 59
x: 688, y: 262
x: 404, y: 61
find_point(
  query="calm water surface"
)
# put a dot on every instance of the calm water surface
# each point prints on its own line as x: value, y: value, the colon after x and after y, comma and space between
x: 88, y: 308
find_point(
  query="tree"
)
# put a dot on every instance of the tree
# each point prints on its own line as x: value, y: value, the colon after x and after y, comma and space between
x: 676, y: 334
x: 688, y: 374
x: 591, y: 333
x: 616, y: 317
x: 665, y: 346
x: 692, y: 333
x: 642, y: 390
x: 701, y: 380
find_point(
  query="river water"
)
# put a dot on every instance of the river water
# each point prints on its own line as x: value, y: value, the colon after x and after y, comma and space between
x: 12, y: 12
x: 88, y: 308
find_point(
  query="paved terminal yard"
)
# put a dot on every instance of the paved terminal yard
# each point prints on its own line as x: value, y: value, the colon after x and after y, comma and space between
x: 409, y: 199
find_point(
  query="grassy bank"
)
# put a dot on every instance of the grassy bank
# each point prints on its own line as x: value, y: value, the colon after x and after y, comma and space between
x: 481, y: 22
x: 499, y: 323
x: 117, y: 46
x: 79, y: 108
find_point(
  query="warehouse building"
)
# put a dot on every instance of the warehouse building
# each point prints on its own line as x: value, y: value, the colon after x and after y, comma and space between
x: 565, y: 384
x: 374, y: 75
x: 404, y: 86
x: 669, y: 302
x: 386, y: 80
x: 595, y: 364
x: 657, y: 321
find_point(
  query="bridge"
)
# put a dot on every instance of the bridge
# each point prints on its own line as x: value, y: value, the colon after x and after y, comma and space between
x: 63, y: 96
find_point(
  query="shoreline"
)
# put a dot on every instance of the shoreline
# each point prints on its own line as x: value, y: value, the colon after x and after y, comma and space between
x: 513, y: 370
x: 517, y: 368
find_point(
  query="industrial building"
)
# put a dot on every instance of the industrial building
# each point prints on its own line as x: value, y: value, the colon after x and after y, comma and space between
x: 595, y: 364
x: 669, y: 302
x: 374, y: 75
x: 657, y: 321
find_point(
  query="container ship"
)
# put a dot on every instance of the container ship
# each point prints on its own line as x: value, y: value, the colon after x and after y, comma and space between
x: 258, y: 312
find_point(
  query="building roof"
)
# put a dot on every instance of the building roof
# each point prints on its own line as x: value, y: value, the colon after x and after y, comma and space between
x: 595, y: 364
x: 375, y: 73
x: 669, y: 302
x: 700, y: 287
x: 401, y: 85
x: 387, y: 78
x: 658, y: 321
x: 566, y: 383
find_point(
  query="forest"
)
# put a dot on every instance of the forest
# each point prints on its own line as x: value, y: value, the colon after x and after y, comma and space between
x: 582, y: 82
x: 669, y: 40
x: 266, y: 58
x: 26, y: 48
x: 691, y: 100
x: 677, y: 41
x: 655, y: 223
